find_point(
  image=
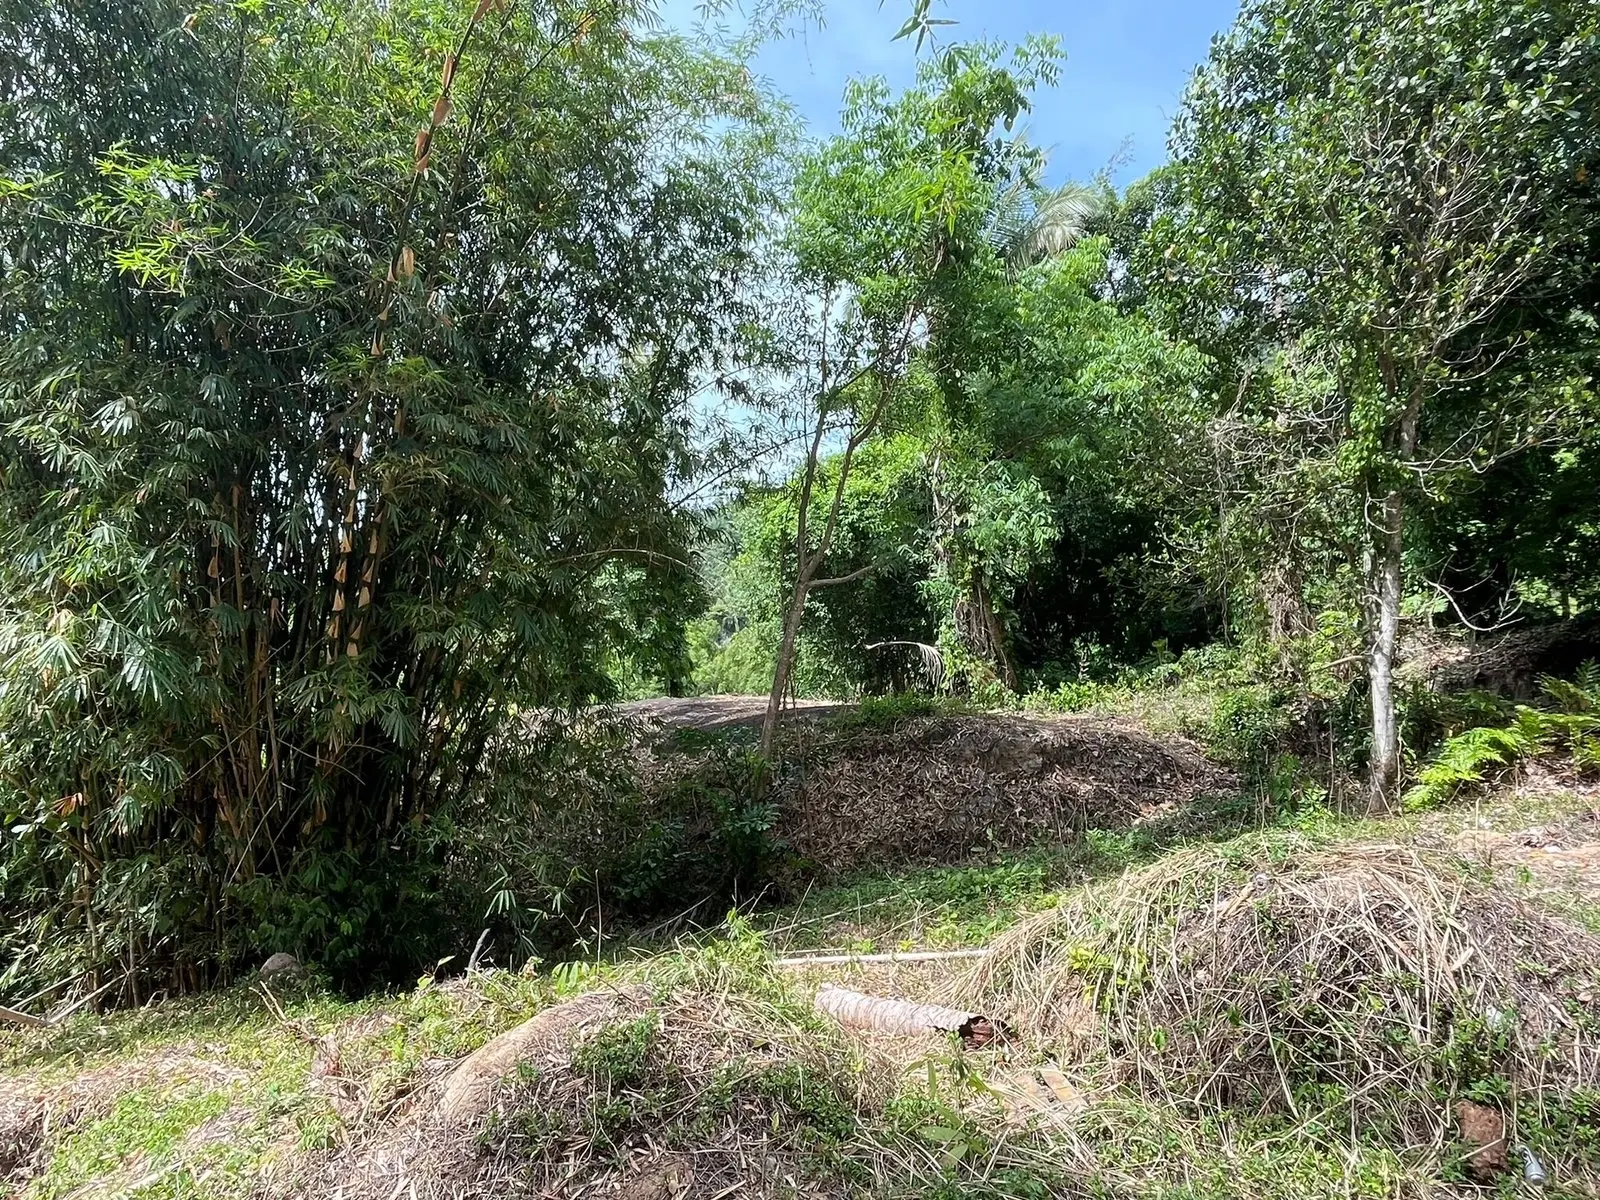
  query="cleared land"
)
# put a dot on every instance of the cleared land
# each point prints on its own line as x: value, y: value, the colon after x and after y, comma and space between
x: 1193, y: 1010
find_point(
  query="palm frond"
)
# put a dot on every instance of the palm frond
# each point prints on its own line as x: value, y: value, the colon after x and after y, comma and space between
x: 1061, y: 219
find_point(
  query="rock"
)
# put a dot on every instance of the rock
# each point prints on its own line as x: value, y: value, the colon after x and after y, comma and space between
x: 670, y: 1182
x: 280, y: 964
x: 1483, y: 1130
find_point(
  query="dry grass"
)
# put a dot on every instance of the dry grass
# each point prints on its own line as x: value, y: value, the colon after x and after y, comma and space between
x: 1363, y: 988
x: 719, y: 1078
x: 934, y: 789
x: 1261, y: 1018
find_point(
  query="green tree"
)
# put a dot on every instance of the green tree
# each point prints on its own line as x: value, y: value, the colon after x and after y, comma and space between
x: 1060, y: 433
x: 345, y: 353
x: 883, y: 215
x: 1384, y: 182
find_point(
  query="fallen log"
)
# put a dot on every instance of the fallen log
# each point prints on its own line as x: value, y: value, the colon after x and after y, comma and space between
x: 470, y: 1088
x: 905, y: 1018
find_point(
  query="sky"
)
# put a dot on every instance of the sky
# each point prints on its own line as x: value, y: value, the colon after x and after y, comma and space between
x: 1127, y: 62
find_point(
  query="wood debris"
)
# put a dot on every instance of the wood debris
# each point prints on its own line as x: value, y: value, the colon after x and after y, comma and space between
x: 1040, y: 1094
x: 1483, y: 1130
x: 906, y: 1018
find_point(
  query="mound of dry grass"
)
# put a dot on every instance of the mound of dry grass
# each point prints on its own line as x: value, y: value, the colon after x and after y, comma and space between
x: 932, y: 789
x: 1366, y: 988
x: 23, y: 1116
x: 715, y: 1078
x: 1252, y: 1020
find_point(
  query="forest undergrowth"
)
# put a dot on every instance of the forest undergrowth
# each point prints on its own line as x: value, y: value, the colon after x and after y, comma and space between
x: 1257, y: 999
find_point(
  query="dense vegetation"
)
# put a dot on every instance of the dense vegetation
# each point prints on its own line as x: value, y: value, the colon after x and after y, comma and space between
x: 384, y: 384
x: 1329, y: 370
x: 346, y: 364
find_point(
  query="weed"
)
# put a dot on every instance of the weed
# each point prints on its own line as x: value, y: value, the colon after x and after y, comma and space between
x: 620, y: 1057
x: 875, y: 714
x: 1246, y: 728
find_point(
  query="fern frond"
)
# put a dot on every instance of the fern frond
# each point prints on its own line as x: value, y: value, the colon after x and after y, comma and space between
x: 1580, y: 694
x: 1465, y: 758
x: 1588, y: 678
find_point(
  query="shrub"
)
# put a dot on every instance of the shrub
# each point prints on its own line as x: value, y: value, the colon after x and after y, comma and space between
x: 1070, y: 696
x: 735, y: 664
x: 582, y: 832
x: 1247, y: 726
x: 1427, y: 717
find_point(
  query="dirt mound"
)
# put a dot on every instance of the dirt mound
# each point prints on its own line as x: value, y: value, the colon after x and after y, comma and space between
x: 23, y: 1113
x: 1368, y: 987
x: 935, y: 789
x: 1509, y: 662
x: 720, y: 712
x: 720, y: 1085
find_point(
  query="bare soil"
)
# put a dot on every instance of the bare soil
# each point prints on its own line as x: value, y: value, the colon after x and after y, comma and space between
x: 1559, y: 856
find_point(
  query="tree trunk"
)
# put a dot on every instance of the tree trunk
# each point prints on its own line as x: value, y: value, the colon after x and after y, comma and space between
x: 977, y: 624
x: 1283, y: 598
x: 982, y: 630
x: 1385, y: 584
x: 782, y: 669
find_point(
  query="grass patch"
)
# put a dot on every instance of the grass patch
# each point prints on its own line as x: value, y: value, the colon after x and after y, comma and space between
x: 946, y: 907
x: 728, y: 1072
x: 136, y: 1143
x: 189, y: 1098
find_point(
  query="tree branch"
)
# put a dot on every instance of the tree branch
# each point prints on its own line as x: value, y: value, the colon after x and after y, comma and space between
x: 850, y: 578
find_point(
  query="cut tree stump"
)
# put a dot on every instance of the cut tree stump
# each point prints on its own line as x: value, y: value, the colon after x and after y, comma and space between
x: 906, y: 1018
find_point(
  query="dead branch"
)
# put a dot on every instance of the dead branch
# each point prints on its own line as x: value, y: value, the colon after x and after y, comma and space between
x: 18, y: 1017
x: 22, y: 1018
x: 838, y: 579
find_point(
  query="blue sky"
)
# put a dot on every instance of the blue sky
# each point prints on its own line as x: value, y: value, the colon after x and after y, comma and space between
x: 1127, y: 62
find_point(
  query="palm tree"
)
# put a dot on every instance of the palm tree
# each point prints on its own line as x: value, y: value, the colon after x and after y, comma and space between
x: 1030, y: 223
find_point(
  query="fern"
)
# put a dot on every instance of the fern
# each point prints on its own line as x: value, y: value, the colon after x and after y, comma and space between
x: 1465, y: 759
x: 1586, y: 755
x: 1576, y: 696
